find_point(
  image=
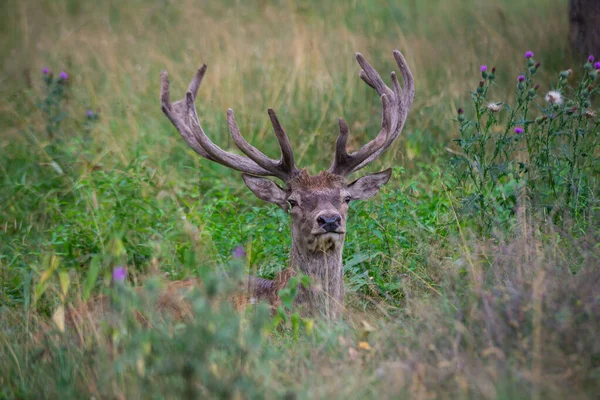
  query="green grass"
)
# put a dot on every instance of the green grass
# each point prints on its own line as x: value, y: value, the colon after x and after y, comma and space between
x: 445, y: 311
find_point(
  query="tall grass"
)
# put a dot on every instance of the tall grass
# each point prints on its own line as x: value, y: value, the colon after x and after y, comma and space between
x: 433, y: 309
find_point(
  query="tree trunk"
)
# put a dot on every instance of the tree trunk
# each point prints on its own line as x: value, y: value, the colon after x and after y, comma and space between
x: 584, y: 16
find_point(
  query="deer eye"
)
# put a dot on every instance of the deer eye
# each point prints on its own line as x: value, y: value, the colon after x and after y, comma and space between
x: 347, y: 199
x: 292, y: 203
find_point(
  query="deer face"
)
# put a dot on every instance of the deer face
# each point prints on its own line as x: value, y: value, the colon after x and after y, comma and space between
x: 318, y: 204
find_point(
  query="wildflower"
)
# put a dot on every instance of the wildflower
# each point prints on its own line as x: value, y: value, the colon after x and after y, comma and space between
x: 238, y: 252
x: 63, y: 75
x: 494, y: 107
x: 565, y: 74
x: 461, y: 116
x: 591, y: 59
x: 119, y: 274
x: 483, y: 68
x: 45, y: 70
x: 521, y: 78
x: 518, y: 130
x: 554, y: 97
x: 528, y: 54
x: 537, y: 65
x: 597, y: 65
x: 90, y: 113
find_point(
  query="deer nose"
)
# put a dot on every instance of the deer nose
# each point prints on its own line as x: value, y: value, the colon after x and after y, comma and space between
x: 329, y: 223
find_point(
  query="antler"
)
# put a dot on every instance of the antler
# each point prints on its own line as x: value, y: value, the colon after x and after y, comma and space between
x: 183, y: 116
x: 396, y: 104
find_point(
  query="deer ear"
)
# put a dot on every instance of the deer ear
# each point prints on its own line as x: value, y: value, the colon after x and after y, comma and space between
x: 266, y: 189
x: 368, y: 186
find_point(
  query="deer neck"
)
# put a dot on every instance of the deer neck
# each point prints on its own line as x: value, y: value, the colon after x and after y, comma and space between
x: 323, y: 264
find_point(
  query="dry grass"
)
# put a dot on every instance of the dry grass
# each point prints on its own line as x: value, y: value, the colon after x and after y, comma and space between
x: 294, y: 58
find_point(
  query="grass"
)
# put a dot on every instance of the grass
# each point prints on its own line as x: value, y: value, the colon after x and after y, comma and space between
x: 434, y: 309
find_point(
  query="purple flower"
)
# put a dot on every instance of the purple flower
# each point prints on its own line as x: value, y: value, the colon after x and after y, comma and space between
x: 45, y: 70
x: 90, y: 113
x: 528, y: 54
x: 591, y: 58
x: 483, y: 68
x: 518, y: 130
x: 63, y: 75
x: 119, y: 274
x: 238, y: 252
x: 521, y: 78
x: 597, y: 65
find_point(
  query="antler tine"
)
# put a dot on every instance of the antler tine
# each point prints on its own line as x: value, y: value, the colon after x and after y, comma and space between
x: 183, y: 116
x: 175, y: 111
x: 404, y: 97
x: 344, y: 164
x: 283, y: 168
x: 287, y: 154
x: 396, y: 104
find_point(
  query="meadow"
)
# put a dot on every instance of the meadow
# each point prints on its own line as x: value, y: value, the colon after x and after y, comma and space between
x: 473, y: 274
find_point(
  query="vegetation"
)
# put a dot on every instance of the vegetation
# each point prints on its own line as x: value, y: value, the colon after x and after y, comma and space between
x: 474, y: 274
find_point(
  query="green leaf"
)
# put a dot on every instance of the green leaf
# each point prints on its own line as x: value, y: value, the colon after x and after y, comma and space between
x: 91, y: 277
x: 52, y: 263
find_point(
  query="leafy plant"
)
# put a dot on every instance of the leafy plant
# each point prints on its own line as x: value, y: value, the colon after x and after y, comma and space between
x: 545, y: 148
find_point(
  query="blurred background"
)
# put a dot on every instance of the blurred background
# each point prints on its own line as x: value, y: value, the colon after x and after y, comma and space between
x: 294, y: 56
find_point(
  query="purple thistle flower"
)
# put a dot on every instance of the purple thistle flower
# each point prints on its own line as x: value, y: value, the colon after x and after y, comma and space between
x: 518, y: 130
x: 63, y: 75
x: 597, y: 65
x: 90, y: 113
x: 483, y: 68
x: 45, y: 70
x: 521, y: 78
x: 591, y: 58
x: 119, y: 274
x: 238, y: 252
x: 528, y: 54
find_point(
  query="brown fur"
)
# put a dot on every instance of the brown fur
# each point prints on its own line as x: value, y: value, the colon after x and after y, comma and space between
x: 324, y: 180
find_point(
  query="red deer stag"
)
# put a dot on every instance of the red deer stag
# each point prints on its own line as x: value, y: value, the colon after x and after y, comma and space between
x: 318, y: 204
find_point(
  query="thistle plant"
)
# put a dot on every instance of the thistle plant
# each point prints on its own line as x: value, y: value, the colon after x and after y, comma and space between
x: 51, y: 104
x: 546, y: 146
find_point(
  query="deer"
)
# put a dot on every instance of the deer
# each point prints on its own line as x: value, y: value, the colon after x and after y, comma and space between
x: 318, y: 204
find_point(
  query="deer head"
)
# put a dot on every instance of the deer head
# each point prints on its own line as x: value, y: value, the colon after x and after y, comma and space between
x: 318, y: 204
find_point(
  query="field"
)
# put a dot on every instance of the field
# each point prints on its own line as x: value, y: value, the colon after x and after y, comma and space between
x: 473, y: 274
